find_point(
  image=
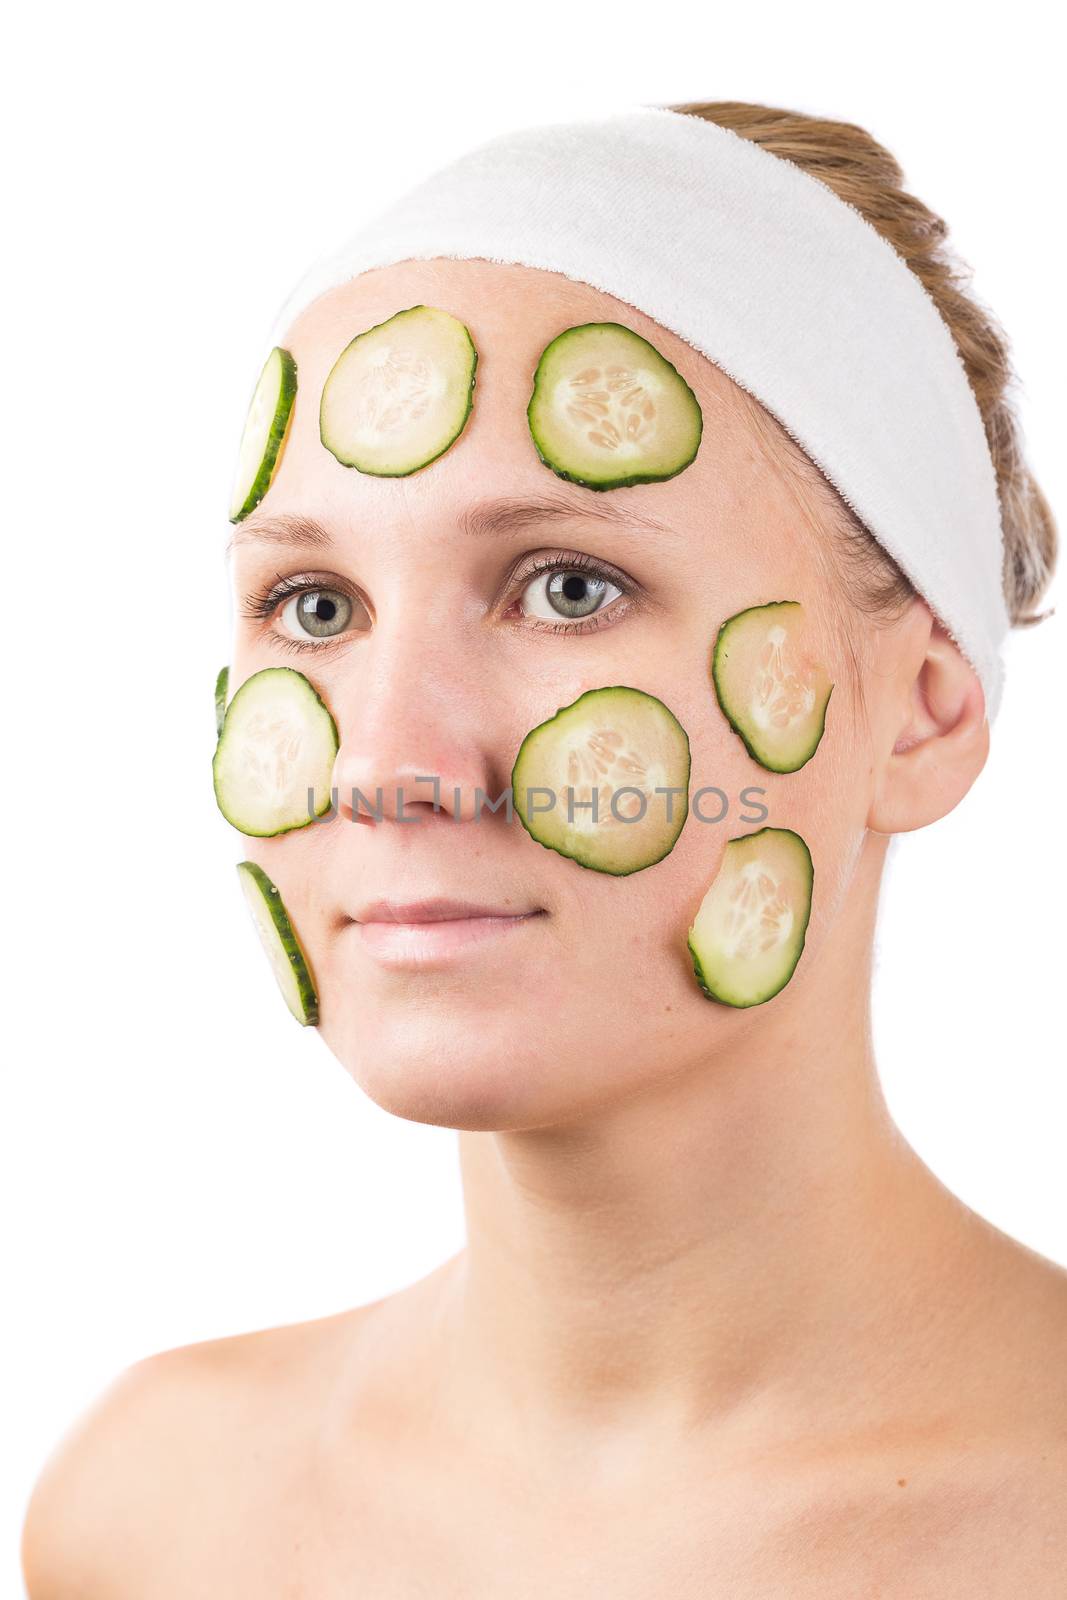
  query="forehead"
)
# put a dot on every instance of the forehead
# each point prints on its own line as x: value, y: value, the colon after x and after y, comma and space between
x: 512, y: 312
x: 517, y: 309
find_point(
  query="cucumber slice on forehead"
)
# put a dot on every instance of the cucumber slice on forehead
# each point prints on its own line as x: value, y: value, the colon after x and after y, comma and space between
x: 772, y: 689
x: 400, y: 394
x: 749, y: 932
x: 607, y: 410
x: 265, y: 432
x: 623, y: 744
x: 278, y: 740
x: 278, y: 937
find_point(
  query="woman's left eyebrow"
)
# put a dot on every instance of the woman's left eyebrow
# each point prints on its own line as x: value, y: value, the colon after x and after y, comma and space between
x: 514, y: 514
x: 486, y: 518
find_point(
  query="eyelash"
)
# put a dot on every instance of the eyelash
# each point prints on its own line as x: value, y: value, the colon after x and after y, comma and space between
x: 564, y: 561
x: 261, y: 604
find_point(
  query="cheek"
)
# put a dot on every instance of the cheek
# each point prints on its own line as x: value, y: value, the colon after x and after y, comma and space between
x: 297, y: 863
x: 250, y: 650
x: 825, y: 801
x: 608, y: 981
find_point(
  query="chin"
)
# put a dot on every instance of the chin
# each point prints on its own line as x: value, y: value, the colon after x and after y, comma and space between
x: 465, y: 1076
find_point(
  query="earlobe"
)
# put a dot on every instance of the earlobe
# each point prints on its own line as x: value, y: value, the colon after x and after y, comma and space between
x: 939, y: 745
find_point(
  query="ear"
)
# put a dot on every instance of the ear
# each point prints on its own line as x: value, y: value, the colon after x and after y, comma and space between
x: 936, y: 736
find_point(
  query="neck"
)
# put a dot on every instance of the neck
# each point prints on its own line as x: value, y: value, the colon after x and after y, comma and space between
x: 747, y: 1232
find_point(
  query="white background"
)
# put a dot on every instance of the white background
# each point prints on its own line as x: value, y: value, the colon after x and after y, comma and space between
x: 178, y: 1162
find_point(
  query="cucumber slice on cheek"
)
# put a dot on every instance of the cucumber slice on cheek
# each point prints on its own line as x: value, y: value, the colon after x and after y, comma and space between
x: 400, y: 394
x: 278, y: 937
x: 749, y: 932
x: 278, y: 740
x: 265, y: 432
x: 221, y: 686
x: 607, y: 410
x: 611, y: 748
x: 772, y: 690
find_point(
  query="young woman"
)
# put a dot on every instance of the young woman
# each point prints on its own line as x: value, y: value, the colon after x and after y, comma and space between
x: 717, y: 1329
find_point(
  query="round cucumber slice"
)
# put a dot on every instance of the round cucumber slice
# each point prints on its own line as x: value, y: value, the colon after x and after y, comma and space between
x: 265, y: 432
x: 221, y: 684
x: 278, y: 937
x: 747, y: 936
x: 400, y: 394
x: 772, y: 690
x: 607, y: 410
x: 624, y: 744
x: 278, y: 740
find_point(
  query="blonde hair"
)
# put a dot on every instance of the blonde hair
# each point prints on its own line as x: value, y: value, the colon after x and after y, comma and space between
x: 862, y: 172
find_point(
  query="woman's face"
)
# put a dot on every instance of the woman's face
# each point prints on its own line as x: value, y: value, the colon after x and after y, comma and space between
x: 452, y: 652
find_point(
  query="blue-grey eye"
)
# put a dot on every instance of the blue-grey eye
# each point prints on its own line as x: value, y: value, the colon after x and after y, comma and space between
x: 317, y: 614
x: 567, y: 593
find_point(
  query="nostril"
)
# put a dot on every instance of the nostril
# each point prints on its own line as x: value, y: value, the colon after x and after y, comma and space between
x: 385, y: 804
x: 351, y: 815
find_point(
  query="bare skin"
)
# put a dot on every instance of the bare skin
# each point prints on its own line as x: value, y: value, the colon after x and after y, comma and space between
x: 717, y: 1329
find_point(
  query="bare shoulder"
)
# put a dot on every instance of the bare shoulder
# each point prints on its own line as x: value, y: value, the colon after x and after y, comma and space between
x: 1021, y: 1310
x: 154, y: 1448
x: 989, y: 1501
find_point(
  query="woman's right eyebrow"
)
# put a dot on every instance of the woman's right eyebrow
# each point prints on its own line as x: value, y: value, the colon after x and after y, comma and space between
x: 288, y: 528
x: 506, y: 515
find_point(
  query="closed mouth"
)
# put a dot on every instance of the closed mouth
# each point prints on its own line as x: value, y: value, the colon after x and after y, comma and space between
x: 441, y: 909
x: 421, y: 933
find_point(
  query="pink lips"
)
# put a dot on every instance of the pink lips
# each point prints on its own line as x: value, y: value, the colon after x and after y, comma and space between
x: 418, y: 931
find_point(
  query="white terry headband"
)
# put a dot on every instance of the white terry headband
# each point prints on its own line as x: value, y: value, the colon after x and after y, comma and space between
x: 784, y: 286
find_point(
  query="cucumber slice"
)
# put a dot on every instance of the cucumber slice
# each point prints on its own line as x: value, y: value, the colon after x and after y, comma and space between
x: 400, y: 394
x: 608, y: 739
x: 279, y: 940
x: 772, y: 690
x: 265, y: 432
x: 607, y: 410
x: 221, y: 683
x: 278, y: 740
x: 747, y: 936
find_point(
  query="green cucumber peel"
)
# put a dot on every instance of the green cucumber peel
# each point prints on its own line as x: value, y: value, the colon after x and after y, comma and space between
x: 221, y: 684
x: 731, y: 964
x: 278, y: 937
x: 278, y: 740
x: 266, y: 428
x: 608, y: 737
x: 400, y: 393
x: 790, y: 747
x: 608, y: 410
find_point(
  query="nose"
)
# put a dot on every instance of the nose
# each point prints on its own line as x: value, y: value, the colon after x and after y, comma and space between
x: 418, y: 736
